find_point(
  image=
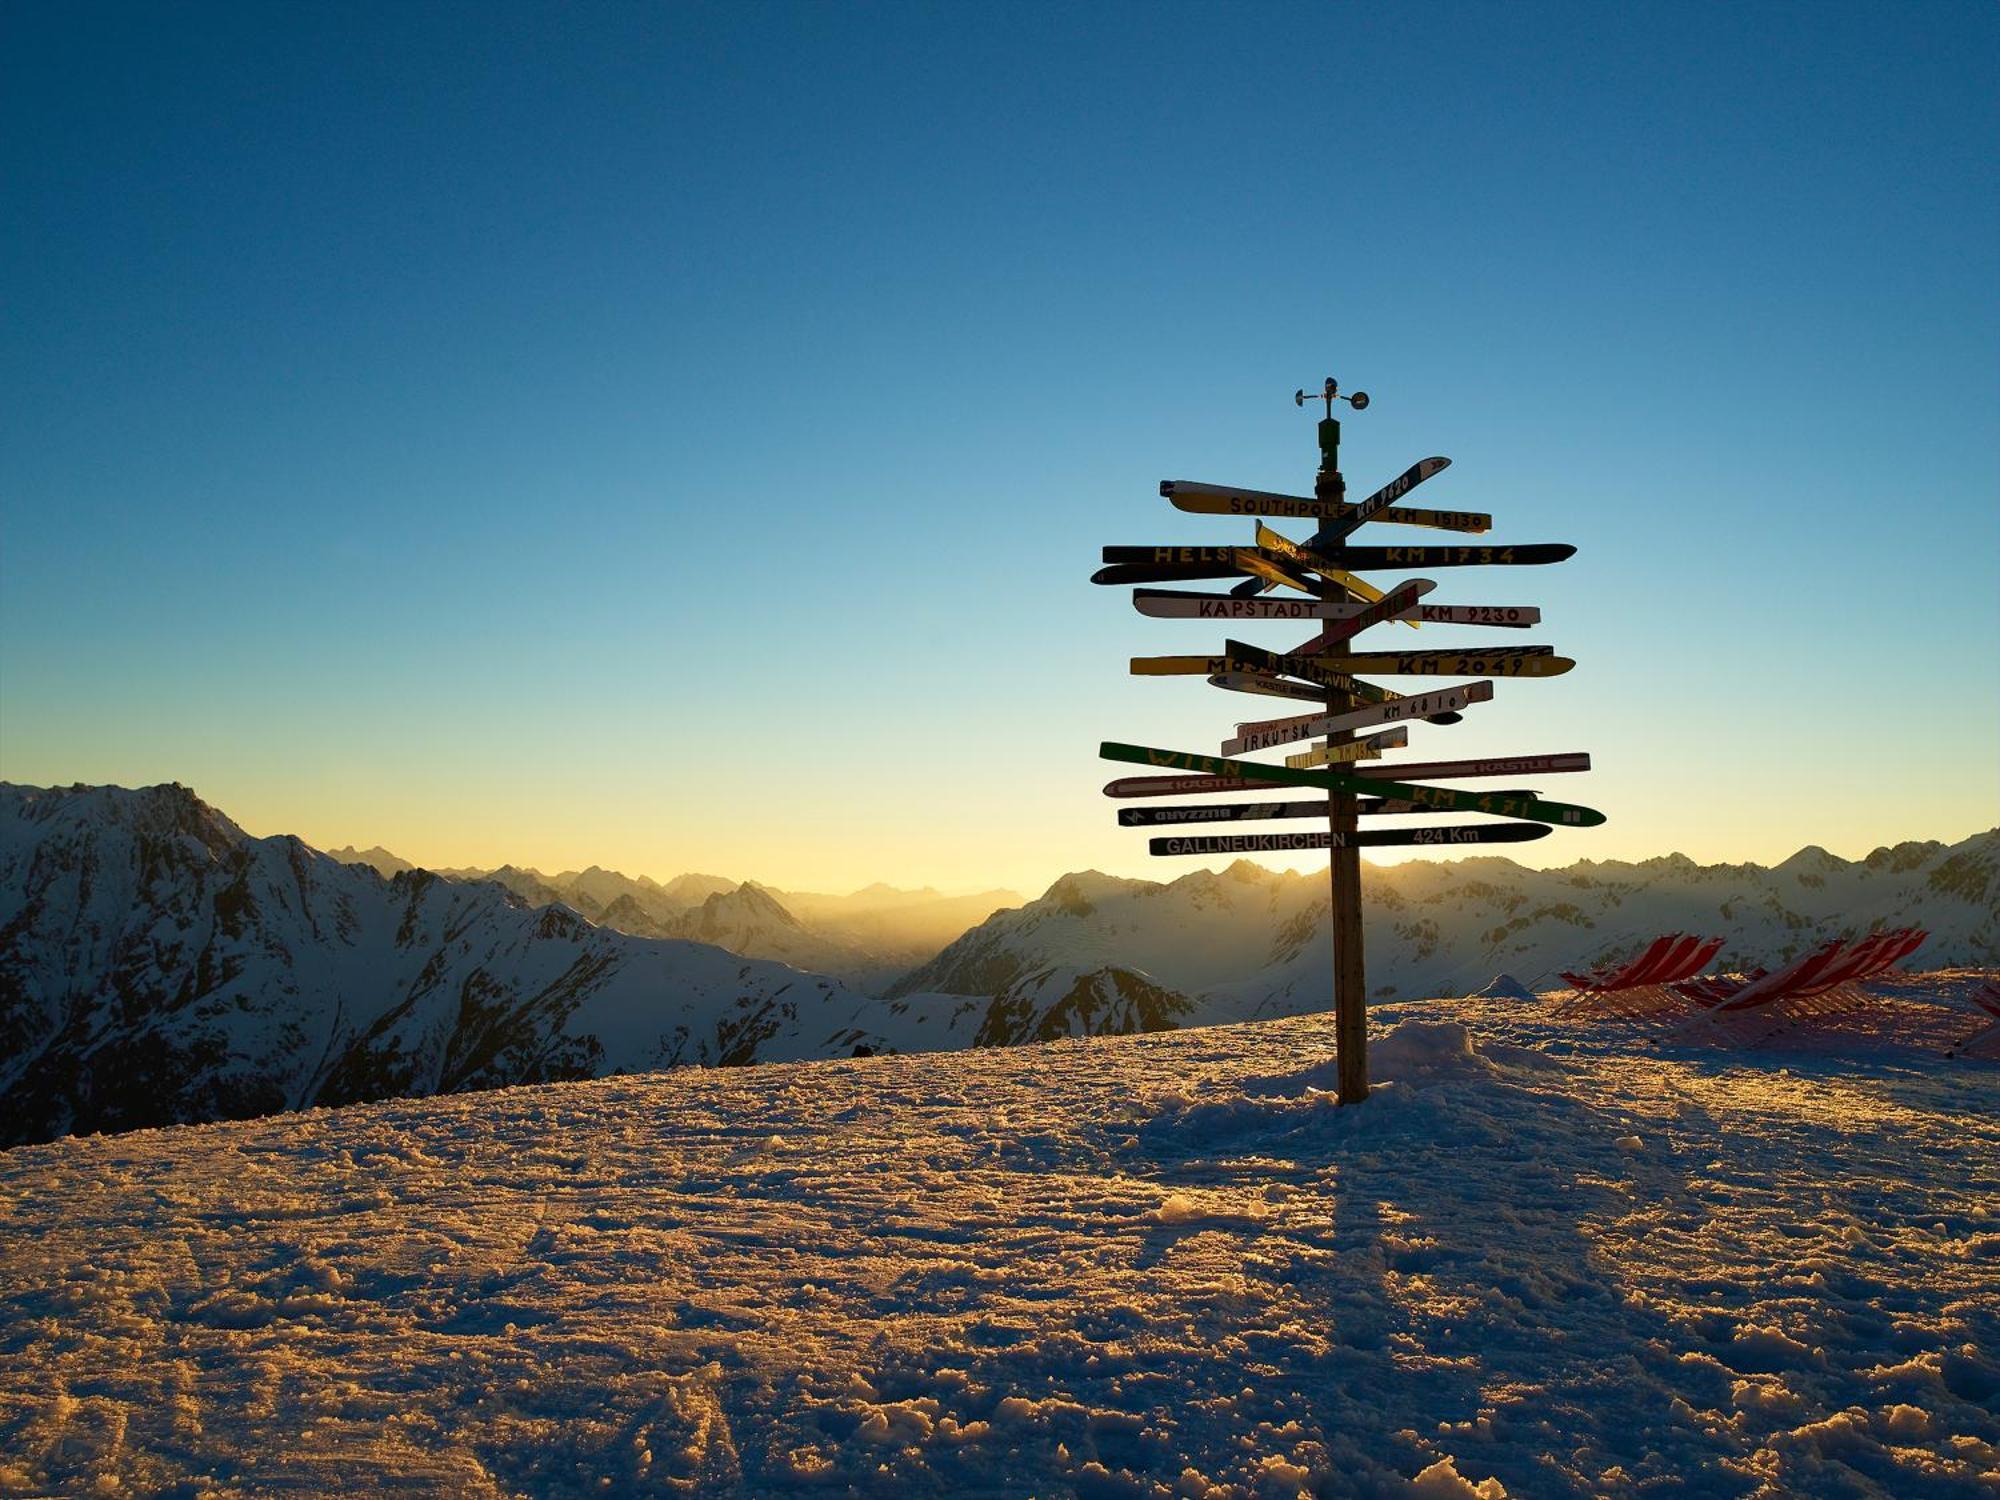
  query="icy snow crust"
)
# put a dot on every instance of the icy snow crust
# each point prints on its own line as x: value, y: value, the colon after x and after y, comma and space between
x: 1537, y: 1262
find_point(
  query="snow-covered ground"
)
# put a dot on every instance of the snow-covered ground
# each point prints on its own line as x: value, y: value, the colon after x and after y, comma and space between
x: 1546, y: 1258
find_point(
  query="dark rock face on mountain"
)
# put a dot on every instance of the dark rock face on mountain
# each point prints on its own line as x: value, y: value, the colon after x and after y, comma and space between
x: 158, y: 965
x: 1105, y: 1002
x: 1044, y: 1006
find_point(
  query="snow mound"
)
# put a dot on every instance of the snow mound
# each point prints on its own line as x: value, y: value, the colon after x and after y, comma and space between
x: 1503, y: 987
x: 1428, y: 1052
x: 1269, y: 1111
x: 1411, y: 1052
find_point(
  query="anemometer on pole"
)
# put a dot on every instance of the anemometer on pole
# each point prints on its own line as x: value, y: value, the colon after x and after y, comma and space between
x: 1329, y: 485
x: 1358, y: 399
x: 1327, y: 673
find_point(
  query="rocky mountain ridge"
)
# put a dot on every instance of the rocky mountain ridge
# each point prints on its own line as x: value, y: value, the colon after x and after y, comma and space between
x: 157, y: 965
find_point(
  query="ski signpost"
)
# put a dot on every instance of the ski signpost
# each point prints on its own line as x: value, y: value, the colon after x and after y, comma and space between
x: 1327, y: 672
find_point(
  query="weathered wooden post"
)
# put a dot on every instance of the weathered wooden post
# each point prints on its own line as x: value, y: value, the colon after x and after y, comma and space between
x: 1323, y: 671
x: 1343, y: 867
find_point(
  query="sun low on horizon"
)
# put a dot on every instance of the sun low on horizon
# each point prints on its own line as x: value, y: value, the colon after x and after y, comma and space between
x: 713, y: 484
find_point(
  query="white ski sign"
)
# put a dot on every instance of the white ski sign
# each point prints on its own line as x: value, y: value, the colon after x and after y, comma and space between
x: 1169, y: 604
x: 1311, y: 727
x: 1270, y: 687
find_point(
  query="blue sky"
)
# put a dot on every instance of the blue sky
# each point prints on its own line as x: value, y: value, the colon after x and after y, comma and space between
x: 678, y: 437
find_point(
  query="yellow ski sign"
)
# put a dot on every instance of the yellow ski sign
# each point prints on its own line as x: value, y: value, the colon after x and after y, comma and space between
x: 1337, y: 755
x: 1292, y: 552
x: 1497, y: 663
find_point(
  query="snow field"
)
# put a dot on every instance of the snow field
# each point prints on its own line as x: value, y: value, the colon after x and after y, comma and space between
x: 1539, y: 1261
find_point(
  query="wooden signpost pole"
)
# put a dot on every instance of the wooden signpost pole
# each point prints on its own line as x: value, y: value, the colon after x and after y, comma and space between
x: 1350, y: 985
x: 1328, y: 669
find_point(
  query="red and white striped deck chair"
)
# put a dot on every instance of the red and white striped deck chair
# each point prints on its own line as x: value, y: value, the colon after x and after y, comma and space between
x: 1737, y: 1012
x: 1617, y: 978
x: 1643, y: 995
x: 1838, y: 990
x: 1654, y: 995
x: 1894, y: 969
x: 1688, y: 963
x: 1985, y: 1042
x: 1890, y: 949
x: 1864, y: 957
x: 1595, y: 991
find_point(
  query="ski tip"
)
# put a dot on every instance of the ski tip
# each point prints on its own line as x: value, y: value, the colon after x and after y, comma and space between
x: 1167, y: 487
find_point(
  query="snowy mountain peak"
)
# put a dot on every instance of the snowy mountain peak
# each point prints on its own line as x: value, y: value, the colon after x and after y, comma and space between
x: 1673, y: 861
x: 166, y: 810
x: 749, y: 905
x: 627, y: 915
x: 1080, y: 891
x: 1811, y: 859
x: 1247, y: 872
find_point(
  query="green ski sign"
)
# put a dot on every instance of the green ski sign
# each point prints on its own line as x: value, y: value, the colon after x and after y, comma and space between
x: 1437, y: 798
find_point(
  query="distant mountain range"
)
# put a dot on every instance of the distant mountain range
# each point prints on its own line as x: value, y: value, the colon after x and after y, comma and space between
x: 1249, y: 942
x: 157, y: 964
x: 865, y: 939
